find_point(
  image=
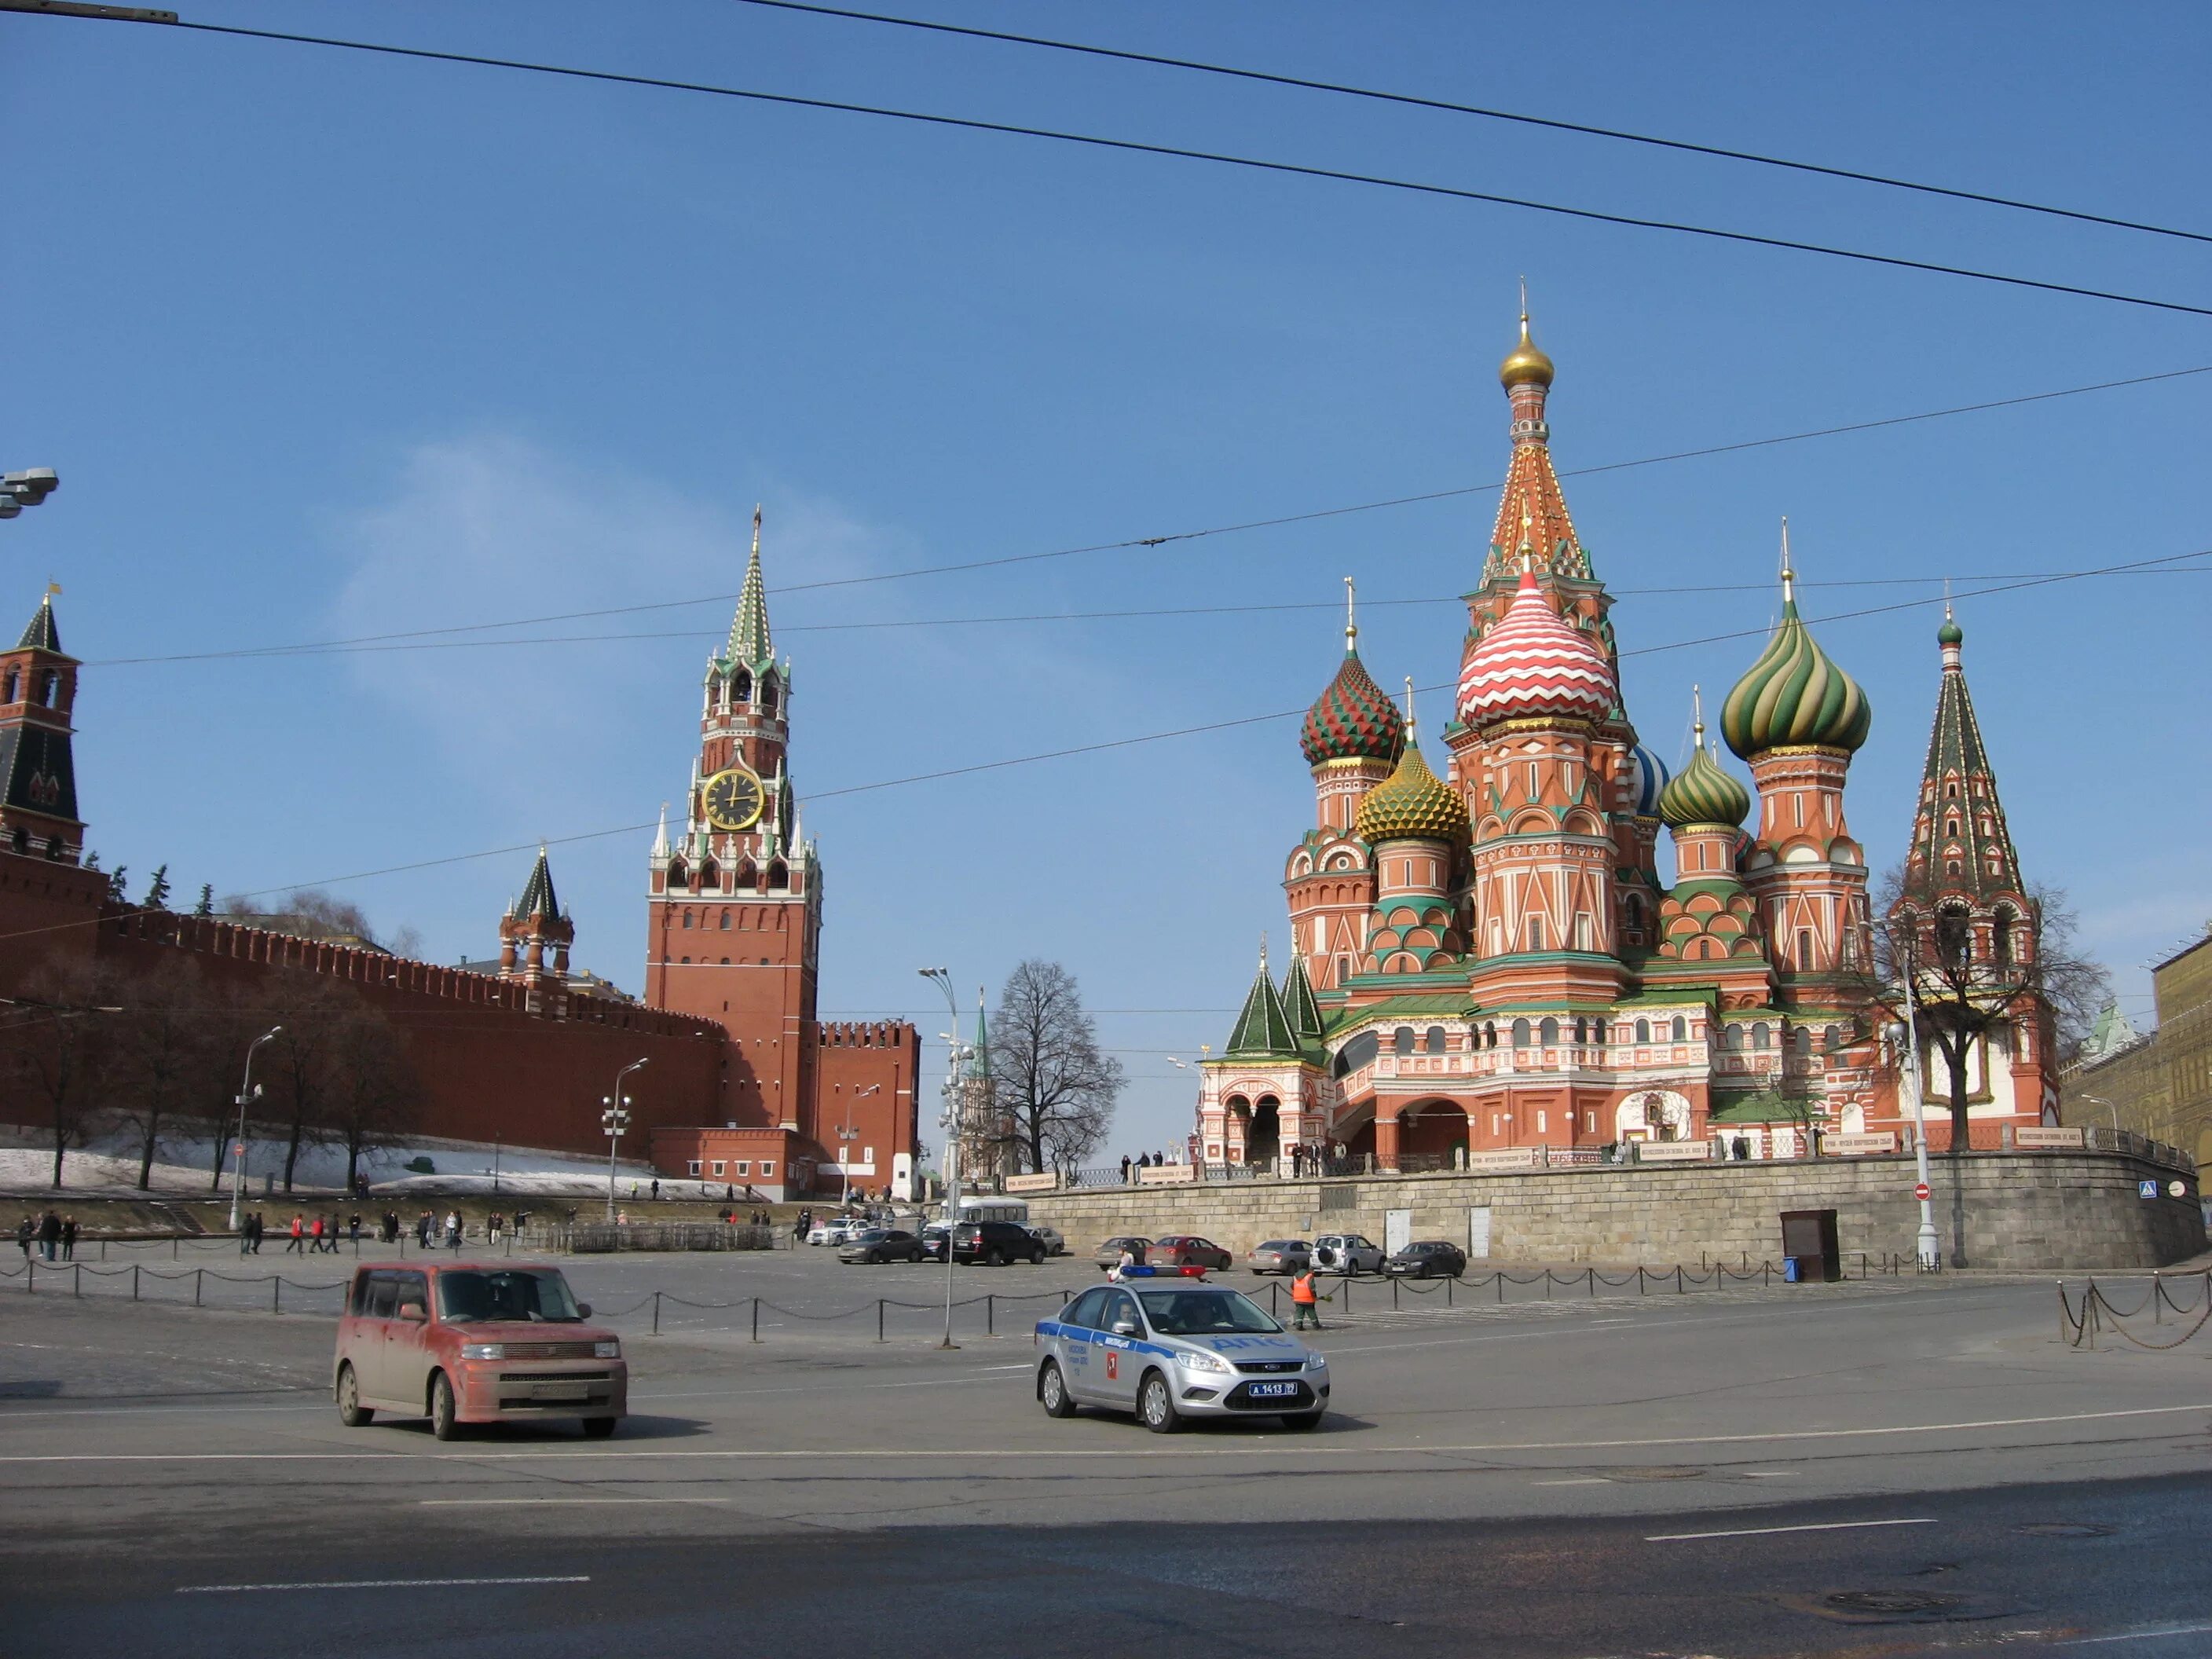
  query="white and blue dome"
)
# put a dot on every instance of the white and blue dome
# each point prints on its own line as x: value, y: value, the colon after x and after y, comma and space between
x: 1647, y: 776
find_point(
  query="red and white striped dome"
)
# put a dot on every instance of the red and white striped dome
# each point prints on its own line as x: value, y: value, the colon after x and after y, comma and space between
x: 1532, y: 662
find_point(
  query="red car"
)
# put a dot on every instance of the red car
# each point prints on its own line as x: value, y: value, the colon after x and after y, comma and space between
x: 1188, y: 1250
x: 466, y: 1342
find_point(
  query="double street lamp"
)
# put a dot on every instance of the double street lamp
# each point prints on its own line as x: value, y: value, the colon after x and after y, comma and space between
x: 846, y: 1136
x: 615, y: 1119
x: 1928, y: 1248
x: 246, y: 1092
x: 953, y: 1121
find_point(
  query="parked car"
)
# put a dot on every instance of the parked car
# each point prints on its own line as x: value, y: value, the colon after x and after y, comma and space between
x: 1050, y: 1238
x: 464, y: 1342
x: 932, y: 1240
x: 1189, y: 1250
x: 873, y: 1244
x: 1280, y: 1255
x: 1109, y: 1254
x: 1428, y: 1258
x: 1346, y: 1253
x: 835, y: 1229
x: 995, y: 1243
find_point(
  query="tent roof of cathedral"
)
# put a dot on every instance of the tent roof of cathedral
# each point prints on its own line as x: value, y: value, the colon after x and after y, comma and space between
x: 41, y: 633
x: 1299, y: 1005
x: 1263, y: 1031
x: 1982, y: 847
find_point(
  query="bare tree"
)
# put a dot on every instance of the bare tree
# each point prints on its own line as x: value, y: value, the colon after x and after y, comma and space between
x: 56, y: 1049
x: 160, y: 1053
x: 1055, y: 1089
x: 373, y: 1092
x: 1984, y: 981
x: 303, y: 1060
x: 308, y: 913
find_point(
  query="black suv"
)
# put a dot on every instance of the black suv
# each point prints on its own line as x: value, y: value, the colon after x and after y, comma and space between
x: 996, y: 1243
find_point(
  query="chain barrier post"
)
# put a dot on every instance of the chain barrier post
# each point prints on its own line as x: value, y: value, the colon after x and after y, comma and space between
x: 1593, y: 1281
x: 173, y: 1248
x: 1394, y: 1295
x: 656, y: 1313
x: 1640, y: 1278
x: 879, y: 1318
x: 756, y: 1319
x: 1678, y: 1278
x: 1499, y: 1279
x: 30, y: 1276
x: 277, y: 1294
x: 1448, y: 1284
x: 1547, y: 1284
x: 199, y: 1276
x: 76, y: 1280
x: 134, y: 1281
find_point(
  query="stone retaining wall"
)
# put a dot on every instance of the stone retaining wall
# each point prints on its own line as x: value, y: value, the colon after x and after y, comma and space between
x: 2025, y: 1211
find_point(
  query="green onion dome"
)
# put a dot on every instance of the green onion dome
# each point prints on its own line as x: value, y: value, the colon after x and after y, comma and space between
x: 1950, y: 633
x: 1352, y: 720
x: 1794, y: 695
x: 1412, y: 805
x: 1703, y: 794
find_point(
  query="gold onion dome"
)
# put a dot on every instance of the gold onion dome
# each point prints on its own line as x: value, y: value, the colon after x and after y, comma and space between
x: 1412, y: 805
x: 1794, y: 695
x: 1525, y: 364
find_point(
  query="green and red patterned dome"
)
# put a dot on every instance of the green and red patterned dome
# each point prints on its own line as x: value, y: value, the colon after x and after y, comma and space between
x: 1352, y: 720
x: 1794, y: 695
x: 1413, y: 804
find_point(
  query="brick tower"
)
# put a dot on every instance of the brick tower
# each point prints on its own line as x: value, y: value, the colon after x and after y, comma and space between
x: 534, y: 937
x: 37, y: 780
x: 736, y: 899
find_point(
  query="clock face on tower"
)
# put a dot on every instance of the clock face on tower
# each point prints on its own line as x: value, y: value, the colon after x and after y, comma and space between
x: 733, y: 798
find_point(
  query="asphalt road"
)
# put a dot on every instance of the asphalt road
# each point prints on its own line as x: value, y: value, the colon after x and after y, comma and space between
x: 1892, y: 1469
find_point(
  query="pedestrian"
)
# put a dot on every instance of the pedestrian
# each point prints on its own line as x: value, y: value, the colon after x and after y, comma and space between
x: 25, y: 1229
x: 256, y: 1224
x: 246, y: 1235
x: 1742, y: 1148
x: 1305, y: 1296
x: 423, y: 1231
x: 656, y: 1187
x: 68, y: 1238
x: 730, y: 1192
x: 315, y: 1236
x: 299, y: 1244
x: 50, y: 1235
x: 353, y: 1226
x: 521, y: 1219
x: 1125, y: 1169
x: 454, y: 1230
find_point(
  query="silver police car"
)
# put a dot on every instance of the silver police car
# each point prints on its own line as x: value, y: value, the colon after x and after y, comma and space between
x: 1172, y: 1349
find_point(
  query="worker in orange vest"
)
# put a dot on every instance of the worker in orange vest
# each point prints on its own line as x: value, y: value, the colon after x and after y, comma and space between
x: 1304, y: 1294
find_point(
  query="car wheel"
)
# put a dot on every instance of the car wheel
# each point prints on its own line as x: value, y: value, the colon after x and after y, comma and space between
x: 1155, y: 1407
x: 443, y: 1423
x: 599, y: 1428
x: 997, y: 1258
x: 351, y: 1412
x: 1303, y: 1420
x: 1051, y: 1390
x: 914, y: 1256
x: 1037, y: 1256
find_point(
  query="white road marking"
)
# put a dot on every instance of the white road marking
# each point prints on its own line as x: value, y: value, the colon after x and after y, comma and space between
x: 1301, y: 1451
x: 494, y: 1503
x: 2140, y: 1635
x: 1762, y: 1531
x: 1589, y: 1481
x: 377, y: 1584
x: 1770, y: 1475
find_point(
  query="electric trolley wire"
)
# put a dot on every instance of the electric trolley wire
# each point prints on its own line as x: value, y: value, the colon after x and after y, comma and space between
x: 1107, y: 744
x: 1179, y: 152
x: 1136, y: 542
x: 1416, y: 101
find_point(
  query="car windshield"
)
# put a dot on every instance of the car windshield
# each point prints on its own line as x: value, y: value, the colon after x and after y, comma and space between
x: 1204, y: 1313
x: 465, y: 1297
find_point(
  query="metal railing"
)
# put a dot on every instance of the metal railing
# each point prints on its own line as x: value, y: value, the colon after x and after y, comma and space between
x: 2097, y: 1314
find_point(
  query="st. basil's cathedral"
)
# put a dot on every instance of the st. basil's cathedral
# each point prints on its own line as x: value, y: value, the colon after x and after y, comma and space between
x: 1485, y: 965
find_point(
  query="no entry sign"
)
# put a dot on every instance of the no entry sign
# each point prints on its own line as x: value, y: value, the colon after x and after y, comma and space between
x: 1920, y: 1191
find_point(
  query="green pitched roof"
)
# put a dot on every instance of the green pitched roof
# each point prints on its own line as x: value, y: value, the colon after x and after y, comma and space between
x: 1263, y: 1030
x: 1982, y: 847
x: 39, y: 633
x: 978, y: 1063
x: 749, y: 636
x: 537, y: 899
x: 1298, y: 1005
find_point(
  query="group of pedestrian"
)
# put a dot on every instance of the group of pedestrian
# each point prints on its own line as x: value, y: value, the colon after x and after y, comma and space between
x: 54, y: 1234
x: 250, y: 1229
x: 1142, y: 1161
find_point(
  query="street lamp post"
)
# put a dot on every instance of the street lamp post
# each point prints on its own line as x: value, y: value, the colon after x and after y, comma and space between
x: 1928, y: 1248
x: 244, y: 1095
x: 2111, y: 1111
x: 953, y: 1121
x: 615, y: 1119
x: 845, y: 1137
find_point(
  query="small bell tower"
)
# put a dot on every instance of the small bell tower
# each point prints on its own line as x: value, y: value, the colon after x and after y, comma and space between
x: 38, y: 777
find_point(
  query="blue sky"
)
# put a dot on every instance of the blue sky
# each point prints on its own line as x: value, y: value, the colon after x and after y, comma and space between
x: 327, y: 345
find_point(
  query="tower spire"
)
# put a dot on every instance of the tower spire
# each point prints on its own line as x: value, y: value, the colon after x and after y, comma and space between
x: 1351, y: 621
x: 1789, y: 574
x: 749, y: 636
x: 1697, y: 717
x: 1531, y: 500
x: 1960, y: 842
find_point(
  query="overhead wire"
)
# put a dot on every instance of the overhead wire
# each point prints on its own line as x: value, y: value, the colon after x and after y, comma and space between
x: 1416, y: 101
x: 1180, y: 152
x: 1107, y: 744
x: 1135, y: 541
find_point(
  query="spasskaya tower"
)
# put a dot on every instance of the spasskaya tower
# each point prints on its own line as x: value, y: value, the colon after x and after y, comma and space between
x: 736, y: 899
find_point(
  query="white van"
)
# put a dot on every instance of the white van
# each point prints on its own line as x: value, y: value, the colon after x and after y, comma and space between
x: 1016, y: 1210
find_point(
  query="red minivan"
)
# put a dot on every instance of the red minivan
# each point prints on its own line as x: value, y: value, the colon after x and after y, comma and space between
x: 474, y: 1342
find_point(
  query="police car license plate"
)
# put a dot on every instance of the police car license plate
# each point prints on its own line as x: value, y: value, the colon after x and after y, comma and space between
x: 1273, y: 1390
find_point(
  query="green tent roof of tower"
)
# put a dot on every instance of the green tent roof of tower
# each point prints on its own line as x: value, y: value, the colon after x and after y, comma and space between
x: 41, y: 633
x: 1263, y: 1031
x: 749, y: 636
x: 537, y: 898
x: 979, y: 1062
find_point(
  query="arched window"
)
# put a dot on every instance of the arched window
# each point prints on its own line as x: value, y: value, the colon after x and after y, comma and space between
x: 687, y: 961
x: 741, y: 686
x: 15, y: 680
x: 1833, y: 1038
x: 50, y: 688
x: 1434, y: 1042
x: 710, y: 875
x: 1762, y: 1035
x: 1598, y: 1032
x: 726, y: 920
x: 1644, y: 1030
x: 687, y: 920
x: 679, y: 875
x: 1548, y: 1032
x: 1731, y: 1038
x: 21, y: 842
x: 1579, y: 1029
x: 2001, y: 940
x: 1490, y: 1033
x: 1356, y: 1054
x: 768, y: 695
x: 726, y: 961
x: 1520, y: 1033
x: 1952, y: 938
x: 1401, y: 1040
x: 778, y: 874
